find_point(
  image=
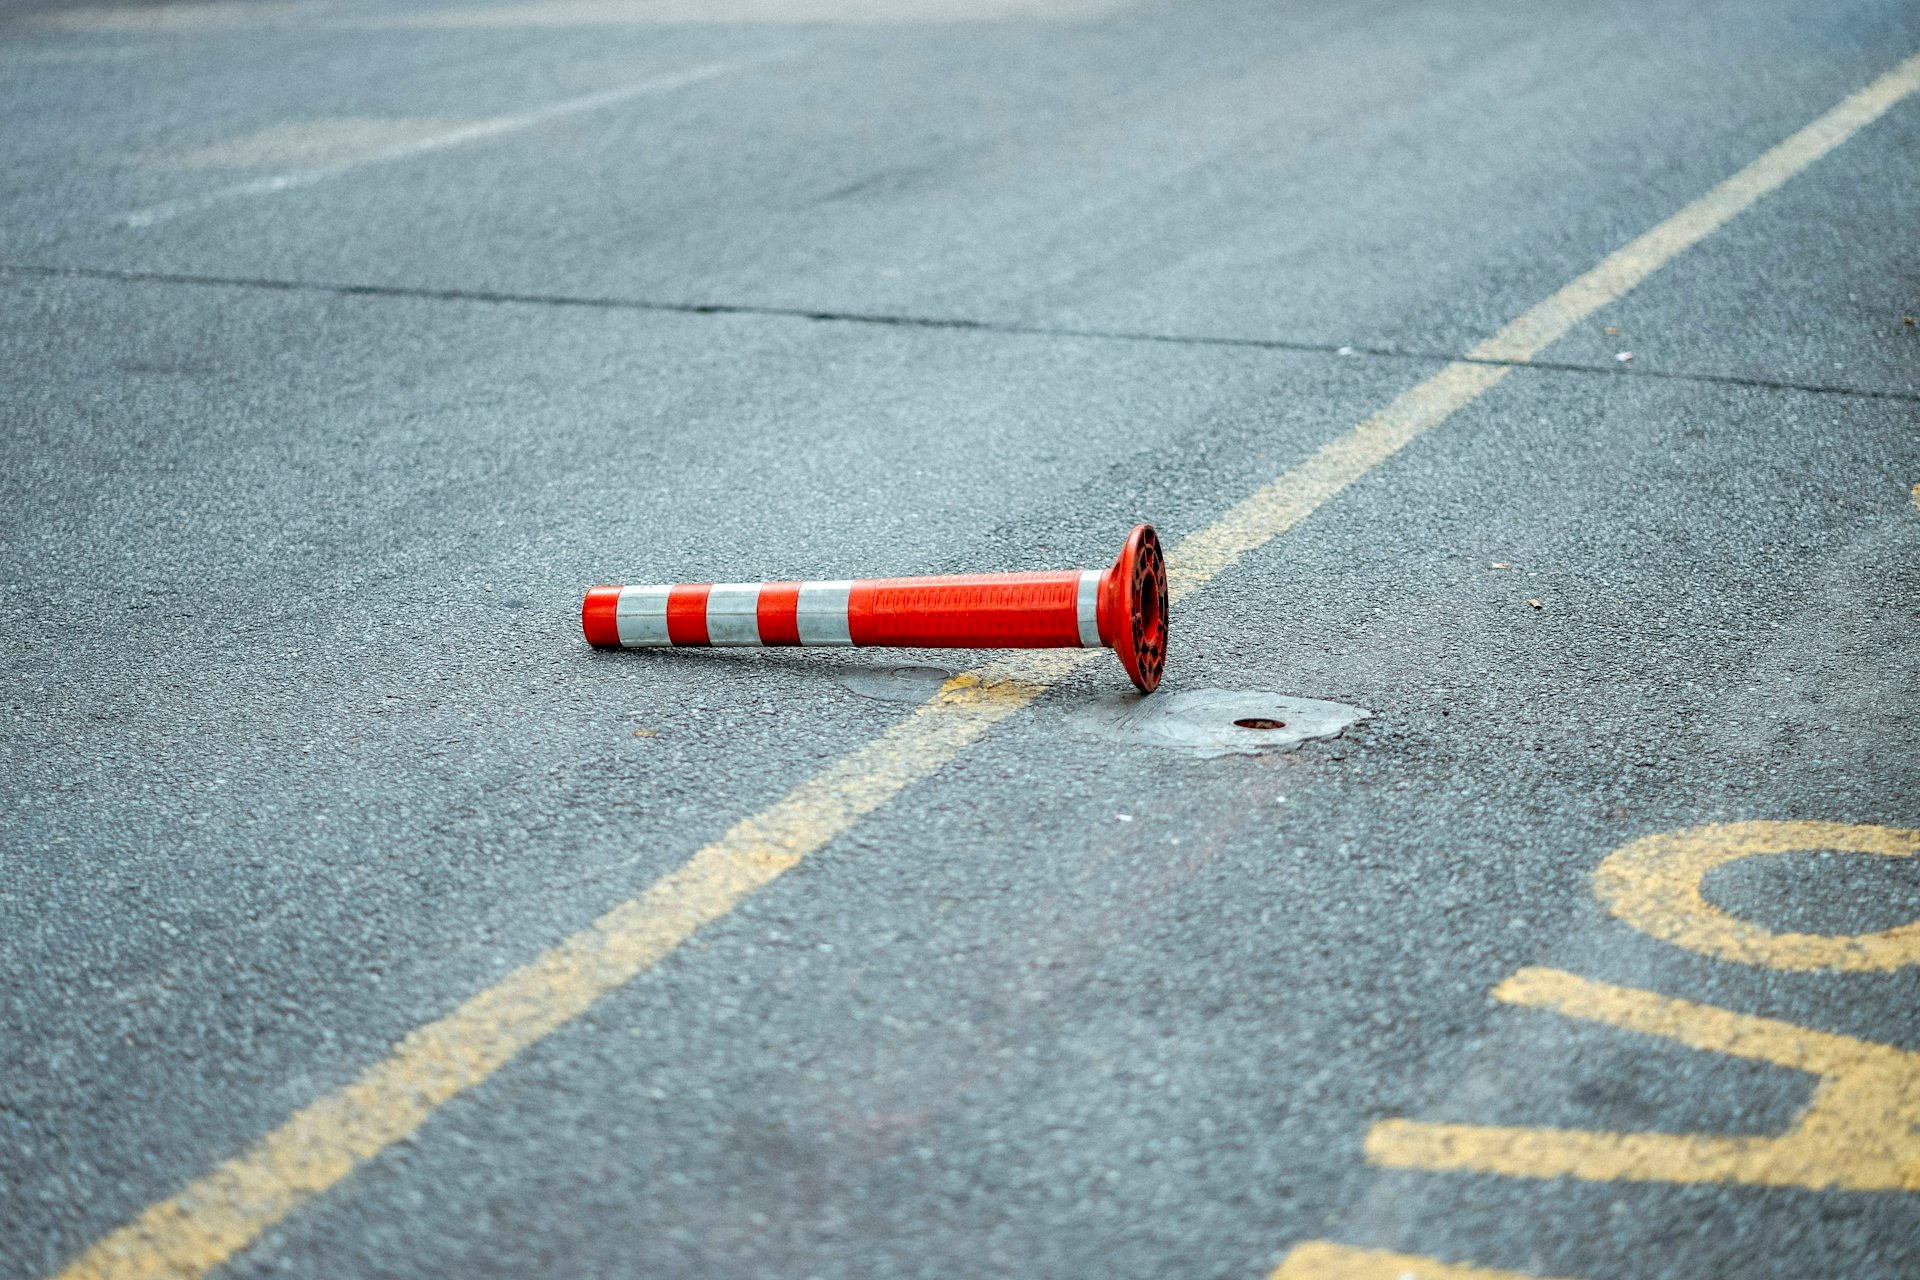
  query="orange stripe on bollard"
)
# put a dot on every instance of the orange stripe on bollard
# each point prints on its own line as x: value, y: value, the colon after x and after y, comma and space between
x: 779, y: 612
x: 599, y: 617
x: 687, y: 613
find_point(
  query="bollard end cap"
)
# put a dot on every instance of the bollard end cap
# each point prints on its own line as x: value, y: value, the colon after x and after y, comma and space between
x: 1138, y: 625
x: 600, y: 617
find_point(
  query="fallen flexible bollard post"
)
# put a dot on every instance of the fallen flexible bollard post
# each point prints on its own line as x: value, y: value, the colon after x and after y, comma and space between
x: 1123, y: 609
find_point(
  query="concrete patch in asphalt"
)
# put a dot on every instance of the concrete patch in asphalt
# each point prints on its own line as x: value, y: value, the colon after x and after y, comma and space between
x: 1219, y: 722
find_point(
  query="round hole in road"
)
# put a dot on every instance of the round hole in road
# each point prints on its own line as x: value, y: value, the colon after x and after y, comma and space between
x: 1260, y: 722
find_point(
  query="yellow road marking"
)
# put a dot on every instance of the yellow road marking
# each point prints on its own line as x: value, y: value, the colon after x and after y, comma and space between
x: 1654, y: 885
x: 314, y: 1149
x: 1322, y: 1260
x: 1860, y: 1131
x: 1287, y: 500
x: 318, y: 1146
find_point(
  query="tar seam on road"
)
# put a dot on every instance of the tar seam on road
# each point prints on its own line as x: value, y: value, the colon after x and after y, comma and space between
x: 478, y: 131
x: 901, y: 321
x: 313, y: 1150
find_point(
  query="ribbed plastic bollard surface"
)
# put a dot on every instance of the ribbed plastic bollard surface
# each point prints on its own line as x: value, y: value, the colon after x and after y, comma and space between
x: 974, y: 611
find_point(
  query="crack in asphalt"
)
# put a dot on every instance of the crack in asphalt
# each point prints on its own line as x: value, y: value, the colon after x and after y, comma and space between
x: 899, y: 321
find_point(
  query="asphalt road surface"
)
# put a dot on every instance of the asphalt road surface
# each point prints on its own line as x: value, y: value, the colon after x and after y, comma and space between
x: 1536, y: 378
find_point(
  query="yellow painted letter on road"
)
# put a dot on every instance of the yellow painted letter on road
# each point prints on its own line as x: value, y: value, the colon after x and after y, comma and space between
x: 1654, y: 885
x: 1860, y: 1131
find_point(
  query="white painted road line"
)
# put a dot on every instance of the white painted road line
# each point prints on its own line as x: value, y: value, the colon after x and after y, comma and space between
x: 478, y: 131
x: 628, y: 13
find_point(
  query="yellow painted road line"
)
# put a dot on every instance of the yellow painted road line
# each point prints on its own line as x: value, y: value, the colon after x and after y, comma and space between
x: 1860, y: 1132
x: 316, y: 1147
x: 217, y: 1215
x: 1322, y: 1260
x: 1282, y: 504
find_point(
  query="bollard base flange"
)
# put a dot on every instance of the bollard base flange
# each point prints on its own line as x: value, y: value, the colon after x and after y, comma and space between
x: 1133, y: 608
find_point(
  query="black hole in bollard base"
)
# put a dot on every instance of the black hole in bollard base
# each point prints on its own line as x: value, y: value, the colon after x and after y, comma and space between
x: 1260, y: 722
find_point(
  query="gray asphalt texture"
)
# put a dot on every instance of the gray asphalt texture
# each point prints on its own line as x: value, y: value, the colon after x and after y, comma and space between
x: 299, y: 492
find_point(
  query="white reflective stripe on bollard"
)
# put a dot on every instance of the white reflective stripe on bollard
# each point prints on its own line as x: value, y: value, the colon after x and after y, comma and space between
x: 733, y: 614
x: 1089, y: 607
x: 822, y: 614
x: 642, y: 617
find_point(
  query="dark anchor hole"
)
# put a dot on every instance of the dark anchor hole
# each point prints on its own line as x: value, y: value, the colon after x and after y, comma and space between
x: 1260, y: 722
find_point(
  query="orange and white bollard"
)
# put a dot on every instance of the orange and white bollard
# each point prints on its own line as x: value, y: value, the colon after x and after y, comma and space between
x: 1123, y: 608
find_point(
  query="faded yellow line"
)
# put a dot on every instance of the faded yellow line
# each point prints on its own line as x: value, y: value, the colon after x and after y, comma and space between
x: 621, y: 13
x: 1288, y: 500
x: 173, y: 17
x: 1323, y: 1260
x: 459, y: 135
x: 316, y: 1147
x: 1860, y: 1131
x: 312, y: 144
x: 222, y: 1212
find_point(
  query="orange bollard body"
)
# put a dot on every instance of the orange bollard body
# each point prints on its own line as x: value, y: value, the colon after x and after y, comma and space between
x: 1123, y: 608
